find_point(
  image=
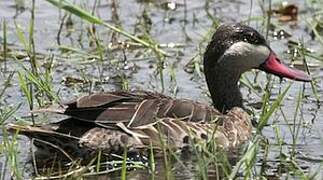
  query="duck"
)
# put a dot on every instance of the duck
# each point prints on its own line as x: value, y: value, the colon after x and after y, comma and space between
x: 111, y: 122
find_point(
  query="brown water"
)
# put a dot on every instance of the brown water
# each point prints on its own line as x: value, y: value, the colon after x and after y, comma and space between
x: 187, y: 25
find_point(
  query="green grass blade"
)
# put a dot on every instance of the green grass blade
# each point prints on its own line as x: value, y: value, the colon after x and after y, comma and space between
x: 152, y: 162
x: 21, y: 37
x: 71, y: 8
x: 98, y: 162
x: 266, y: 114
x: 247, y: 161
x: 62, y: 4
x: 124, y: 165
x: 4, y: 44
x: 24, y: 87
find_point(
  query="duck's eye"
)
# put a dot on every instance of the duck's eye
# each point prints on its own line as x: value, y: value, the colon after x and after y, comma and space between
x: 252, y: 38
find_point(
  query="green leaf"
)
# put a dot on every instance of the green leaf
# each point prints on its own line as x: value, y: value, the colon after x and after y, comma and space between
x: 66, y: 5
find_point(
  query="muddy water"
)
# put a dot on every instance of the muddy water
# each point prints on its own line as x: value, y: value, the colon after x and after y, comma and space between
x: 187, y: 24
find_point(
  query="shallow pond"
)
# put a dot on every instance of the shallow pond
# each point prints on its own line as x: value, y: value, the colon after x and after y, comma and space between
x: 183, y: 27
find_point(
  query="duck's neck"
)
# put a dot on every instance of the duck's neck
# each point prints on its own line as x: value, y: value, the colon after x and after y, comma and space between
x: 223, y: 86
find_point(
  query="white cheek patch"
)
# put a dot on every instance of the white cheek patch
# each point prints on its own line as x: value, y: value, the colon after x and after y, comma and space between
x: 245, y: 55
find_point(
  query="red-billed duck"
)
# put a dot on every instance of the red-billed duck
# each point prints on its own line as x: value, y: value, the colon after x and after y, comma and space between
x: 112, y: 121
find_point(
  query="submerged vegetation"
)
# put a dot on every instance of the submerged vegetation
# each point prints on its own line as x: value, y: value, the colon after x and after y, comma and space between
x: 92, y: 46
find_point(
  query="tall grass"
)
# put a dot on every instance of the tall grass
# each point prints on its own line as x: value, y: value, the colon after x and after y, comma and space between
x: 8, y: 145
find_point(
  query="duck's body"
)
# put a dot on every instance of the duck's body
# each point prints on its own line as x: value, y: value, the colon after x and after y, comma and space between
x: 112, y: 121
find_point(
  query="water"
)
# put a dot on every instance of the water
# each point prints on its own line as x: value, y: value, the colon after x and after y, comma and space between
x: 187, y: 24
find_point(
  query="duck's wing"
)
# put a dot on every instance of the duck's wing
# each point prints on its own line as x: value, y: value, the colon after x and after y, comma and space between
x: 134, y: 109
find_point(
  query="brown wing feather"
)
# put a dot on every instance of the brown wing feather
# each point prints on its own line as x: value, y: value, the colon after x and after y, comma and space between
x: 145, y: 113
x: 137, y: 108
x: 95, y: 100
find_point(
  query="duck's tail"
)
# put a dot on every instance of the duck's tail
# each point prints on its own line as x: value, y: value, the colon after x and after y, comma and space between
x: 74, y: 140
